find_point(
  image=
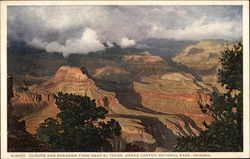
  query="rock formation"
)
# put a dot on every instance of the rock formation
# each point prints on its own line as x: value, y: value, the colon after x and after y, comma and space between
x: 153, y: 101
x: 19, y: 139
x: 203, y: 58
x: 113, y: 74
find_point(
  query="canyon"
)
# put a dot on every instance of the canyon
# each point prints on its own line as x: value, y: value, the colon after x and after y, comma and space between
x: 154, y: 100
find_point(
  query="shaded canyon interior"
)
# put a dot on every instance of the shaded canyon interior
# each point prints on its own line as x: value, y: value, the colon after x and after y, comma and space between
x: 153, y: 97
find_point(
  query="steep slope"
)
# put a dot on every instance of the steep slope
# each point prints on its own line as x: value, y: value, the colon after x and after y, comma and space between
x: 145, y: 57
x: 19, y: 139
x: 40, y: 100
x: 113, y: 74
x: 144, y: 64
x: 71, y: 80
x: 172, y: 93
x: 156, y: 86
x: 151, y: 111
x: 152, y: 99
x: 166, y: 48
x: 203, y: 58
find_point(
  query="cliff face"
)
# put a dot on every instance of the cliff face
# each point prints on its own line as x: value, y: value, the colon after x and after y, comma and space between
x: 203, y: 58
x: 19, y: 139
x: 146, y: 57
x: 113, y: 75
x: 152, y: 101
x: 26, y: 103
x: 172, y: 93
x: 74, y: 80
x: 144, y: 64
x: 38, y: 103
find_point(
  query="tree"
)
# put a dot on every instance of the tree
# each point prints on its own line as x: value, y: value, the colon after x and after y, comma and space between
x: 80, y: 126
x: 225, y: 133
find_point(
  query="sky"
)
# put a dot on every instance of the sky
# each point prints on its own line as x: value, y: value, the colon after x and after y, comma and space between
x: 81, y: 29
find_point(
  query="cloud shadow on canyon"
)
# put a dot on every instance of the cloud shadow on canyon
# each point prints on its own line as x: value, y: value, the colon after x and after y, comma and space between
x: 126, y: 95
x: 160, y: 132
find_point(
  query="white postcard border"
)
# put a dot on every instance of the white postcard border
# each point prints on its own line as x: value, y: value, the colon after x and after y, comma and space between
x: 5, y: 154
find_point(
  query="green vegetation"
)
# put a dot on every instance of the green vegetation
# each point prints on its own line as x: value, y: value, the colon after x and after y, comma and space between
x: 225, y: 133
x: 80, y: 126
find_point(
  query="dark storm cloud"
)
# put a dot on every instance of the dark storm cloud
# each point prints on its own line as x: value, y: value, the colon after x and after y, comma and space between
x: 84, y: 28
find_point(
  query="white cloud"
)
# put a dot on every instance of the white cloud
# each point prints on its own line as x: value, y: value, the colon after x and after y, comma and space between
x: 39, y: 43
x: 126, y: 42
x: 56, y: 47
x: 55, y: 24
x: 88, y: 42
x: 109, y: 44
x: 200, y: 30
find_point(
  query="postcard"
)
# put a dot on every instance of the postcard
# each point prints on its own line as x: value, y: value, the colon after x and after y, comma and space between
x: 124, y: 79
